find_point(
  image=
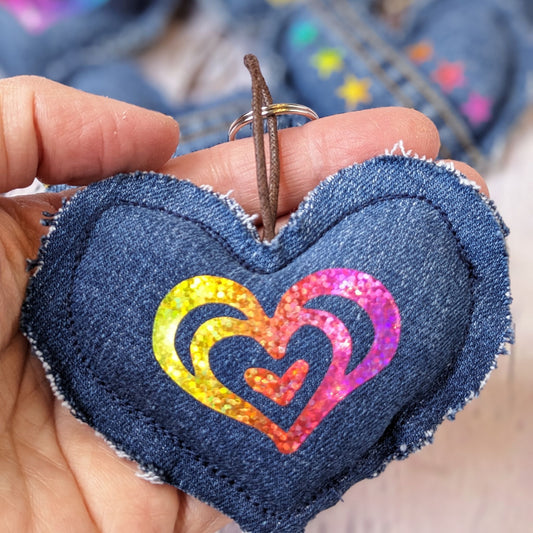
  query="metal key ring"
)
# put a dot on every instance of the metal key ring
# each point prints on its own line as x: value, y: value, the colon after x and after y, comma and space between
x: 269, y: 111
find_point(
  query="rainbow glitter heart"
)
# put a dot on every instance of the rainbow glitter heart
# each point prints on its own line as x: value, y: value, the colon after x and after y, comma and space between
x: 273, y: 334
x: 267, y: 378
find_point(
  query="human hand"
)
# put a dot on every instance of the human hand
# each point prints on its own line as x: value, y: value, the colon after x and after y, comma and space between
x: 55, y: 473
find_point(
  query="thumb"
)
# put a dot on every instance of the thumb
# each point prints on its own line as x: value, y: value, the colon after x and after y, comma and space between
x: 63, y: 135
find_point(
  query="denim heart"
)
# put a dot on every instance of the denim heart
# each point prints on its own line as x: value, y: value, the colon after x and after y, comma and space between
x: 345, y: 50
x: 171, y: 329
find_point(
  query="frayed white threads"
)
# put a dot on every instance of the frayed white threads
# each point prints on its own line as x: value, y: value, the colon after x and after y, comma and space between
x: 141, y: 472
x: 448, y: 165
x: 463, y: 180
x: 39, y: 262
x: 152, y: 478
x: 399, y: 149
x: 247, y: 220
x: 48, y: 373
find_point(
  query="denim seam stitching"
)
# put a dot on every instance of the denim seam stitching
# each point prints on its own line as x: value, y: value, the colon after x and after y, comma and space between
x: 358, y: 45
x: 214, y: 471
x: 256, y: 270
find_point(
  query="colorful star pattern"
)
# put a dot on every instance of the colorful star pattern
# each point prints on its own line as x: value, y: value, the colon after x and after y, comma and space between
x: 327, y: 61
x: 449, y: 75
x: 354, y: 91
x: 303, y: 33
x: 477, y: 109
x: 420, y: 52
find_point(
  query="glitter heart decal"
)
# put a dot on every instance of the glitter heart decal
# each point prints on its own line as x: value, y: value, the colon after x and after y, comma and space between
x: 274, y: 334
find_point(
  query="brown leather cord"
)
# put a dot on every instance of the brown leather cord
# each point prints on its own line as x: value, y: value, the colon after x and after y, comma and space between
x: 268, y: 187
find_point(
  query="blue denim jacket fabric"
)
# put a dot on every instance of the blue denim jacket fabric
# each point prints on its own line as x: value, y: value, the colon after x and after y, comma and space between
x: 464, y: 63
x: 83, y: 49
x: 421, y: 340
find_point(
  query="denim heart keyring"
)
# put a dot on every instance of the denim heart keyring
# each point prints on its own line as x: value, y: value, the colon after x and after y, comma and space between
x: 267, y: 377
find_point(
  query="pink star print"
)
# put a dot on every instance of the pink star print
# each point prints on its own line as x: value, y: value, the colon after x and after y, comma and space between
x: 449, y: 75
x: 477, y: 109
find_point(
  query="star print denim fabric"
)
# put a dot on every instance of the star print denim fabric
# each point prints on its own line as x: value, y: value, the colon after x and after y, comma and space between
x: 110, y: 277
x: 463, y: 63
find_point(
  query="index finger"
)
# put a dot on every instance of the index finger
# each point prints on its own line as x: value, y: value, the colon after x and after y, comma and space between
x: 63, y: 135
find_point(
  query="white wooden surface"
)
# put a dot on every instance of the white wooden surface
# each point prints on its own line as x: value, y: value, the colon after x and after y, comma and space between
x: 477, y: 477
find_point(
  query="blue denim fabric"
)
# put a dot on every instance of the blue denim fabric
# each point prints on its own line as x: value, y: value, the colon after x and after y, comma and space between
x: 121, y: 245
x: 90, y: 44
x: 487, y: 42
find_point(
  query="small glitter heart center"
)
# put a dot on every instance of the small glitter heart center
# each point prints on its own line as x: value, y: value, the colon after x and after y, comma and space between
x: 279, y: 389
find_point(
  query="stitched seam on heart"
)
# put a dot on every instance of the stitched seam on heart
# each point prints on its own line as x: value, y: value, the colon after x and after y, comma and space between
x: 256, y: 270
x: 157, y: 427
x: 130, y: 409
x: 214, y: 470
